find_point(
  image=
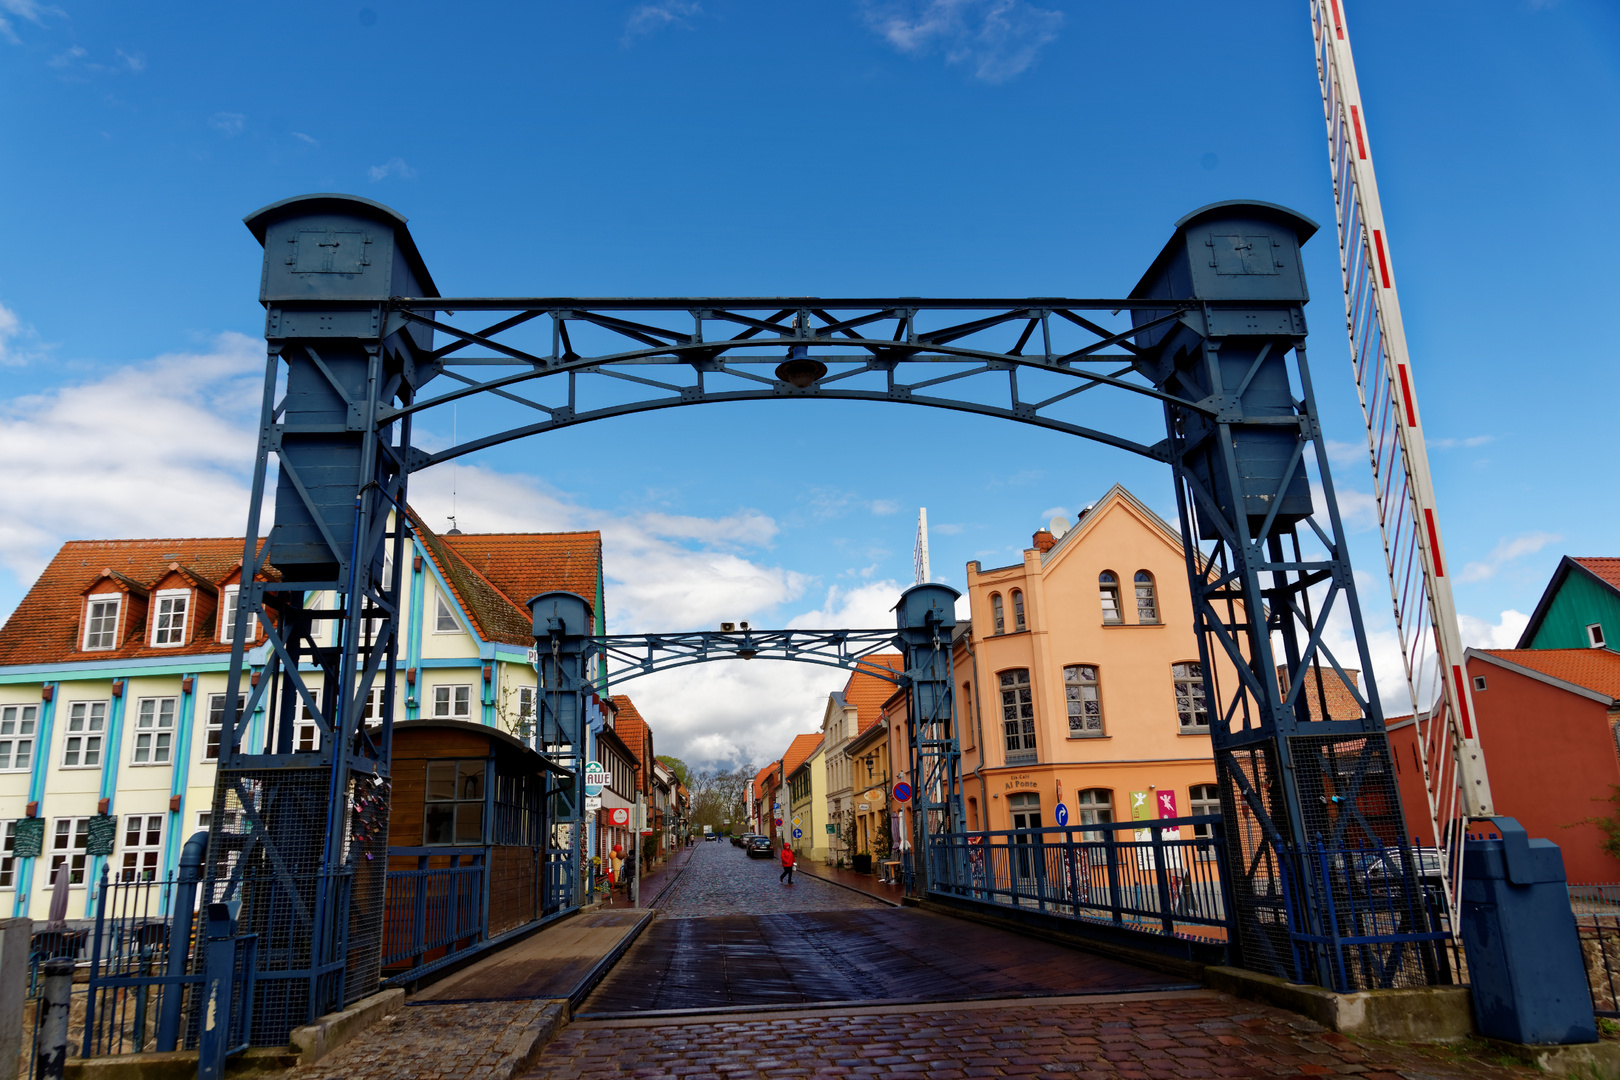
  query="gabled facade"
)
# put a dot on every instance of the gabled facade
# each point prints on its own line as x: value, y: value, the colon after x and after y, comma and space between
x: 1580, y: 608
x: 1547, y: 722
x: 807, y: 787
x: 113, y: 669
x: 1079, y: 680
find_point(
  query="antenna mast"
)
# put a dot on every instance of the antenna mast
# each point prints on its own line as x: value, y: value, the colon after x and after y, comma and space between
x: 919, y: 552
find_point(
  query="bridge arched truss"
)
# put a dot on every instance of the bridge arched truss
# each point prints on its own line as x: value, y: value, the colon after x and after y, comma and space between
x: 1028, y: 360
x: 630, y: 656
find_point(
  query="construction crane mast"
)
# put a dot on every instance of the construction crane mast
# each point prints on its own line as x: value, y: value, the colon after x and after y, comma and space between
x: 1447, y: 737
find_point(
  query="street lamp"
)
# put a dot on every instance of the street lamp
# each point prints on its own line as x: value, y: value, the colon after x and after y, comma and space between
x: 800, y: 370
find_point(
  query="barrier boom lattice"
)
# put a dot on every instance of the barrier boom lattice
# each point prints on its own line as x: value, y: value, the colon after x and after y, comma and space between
x: 1420, y: 587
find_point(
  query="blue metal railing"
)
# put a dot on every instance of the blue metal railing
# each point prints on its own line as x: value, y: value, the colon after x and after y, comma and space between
x: 1157, y: 877
x: 433, y: 910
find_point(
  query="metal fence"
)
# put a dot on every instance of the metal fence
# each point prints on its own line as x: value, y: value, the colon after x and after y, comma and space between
x: 1159, y: 877
x: 432, y: 914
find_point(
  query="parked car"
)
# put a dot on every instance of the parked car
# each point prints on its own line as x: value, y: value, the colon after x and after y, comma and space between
x: 759, y: 847
x: 1384, y: 873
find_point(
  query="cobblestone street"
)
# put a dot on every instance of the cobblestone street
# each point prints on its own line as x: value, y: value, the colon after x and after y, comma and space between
x: 1154, y: 1037
x: 723, y: 880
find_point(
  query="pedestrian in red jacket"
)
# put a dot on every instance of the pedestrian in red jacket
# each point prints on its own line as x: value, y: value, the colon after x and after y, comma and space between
x: 787, y: 865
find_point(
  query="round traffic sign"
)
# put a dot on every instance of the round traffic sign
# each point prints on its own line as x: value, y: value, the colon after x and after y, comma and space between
x: 902, y: 791
x: 1062, y: 813
x: 798, y: 833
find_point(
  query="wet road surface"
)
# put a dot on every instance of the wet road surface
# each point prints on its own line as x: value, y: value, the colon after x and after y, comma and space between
x: 730, y: 936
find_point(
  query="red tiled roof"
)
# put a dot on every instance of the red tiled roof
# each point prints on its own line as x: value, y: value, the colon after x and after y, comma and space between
x: 492, y: 574
x: 868, y: 692
x: 633, y: 731
x: 799, y: 751
x: 47, y: 626
x: 1597, y: 670
x: 1606, y: 569
x: 765, y: 773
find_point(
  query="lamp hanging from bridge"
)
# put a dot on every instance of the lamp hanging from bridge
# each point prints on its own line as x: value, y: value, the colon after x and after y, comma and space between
x: 800, y: 369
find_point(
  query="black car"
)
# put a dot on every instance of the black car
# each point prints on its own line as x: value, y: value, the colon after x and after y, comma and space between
x: 759, y: 847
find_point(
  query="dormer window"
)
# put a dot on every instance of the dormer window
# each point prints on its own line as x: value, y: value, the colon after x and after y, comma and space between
x: 227, y: 616
x: 169, y: 622
x: 101, y: 622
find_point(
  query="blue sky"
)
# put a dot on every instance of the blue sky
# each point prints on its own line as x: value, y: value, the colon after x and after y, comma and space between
x: 928, y: 147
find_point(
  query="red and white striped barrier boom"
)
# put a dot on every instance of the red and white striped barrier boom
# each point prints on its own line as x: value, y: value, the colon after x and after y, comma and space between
x: 1419, y: 578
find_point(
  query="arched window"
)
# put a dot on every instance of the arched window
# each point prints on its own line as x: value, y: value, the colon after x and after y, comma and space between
x: 1108, y: 587
x: 1018, y: 714
x: 998, y: 614
x: 1096, y: 807
x: 1083, y: 699
x: 1191, y: 709
x: 1147, y: 601
x: 1018, y: 610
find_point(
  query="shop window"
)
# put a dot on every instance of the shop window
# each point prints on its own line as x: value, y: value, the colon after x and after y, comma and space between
x: 1204, y: 800
x: 1108, y: 590
x: 453, y: 808
x: 1083, y: 697
x: 1018, y: 610
x: 69, y: 846
x: 8, y: 854
x: 1096, y: 807
x: 1147, y: 600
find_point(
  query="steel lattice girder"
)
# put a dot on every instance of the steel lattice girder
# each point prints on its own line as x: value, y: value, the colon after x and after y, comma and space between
x: 351, y: 317
x: 629, y: 656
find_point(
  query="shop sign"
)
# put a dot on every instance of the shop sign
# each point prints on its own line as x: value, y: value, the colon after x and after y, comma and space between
x: 864, y: 807
x: 593, y: 803
x: 619, y: 816
x: 596, y: 778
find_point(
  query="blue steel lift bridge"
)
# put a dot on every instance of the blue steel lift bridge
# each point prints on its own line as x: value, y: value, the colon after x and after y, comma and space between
x: 1202, y: 366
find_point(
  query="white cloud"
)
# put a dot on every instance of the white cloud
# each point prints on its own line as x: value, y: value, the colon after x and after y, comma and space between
x: 1357, y: 509
x: 1502, y: 634
x: 18, y: 342
x: 1505, y: 551
x: 231, y: 123
x: 299, y: 135
x: 392, y: 167
x: 32, y: 10
x: 1468, y: 443
x: 1343, y: 454
x: 883, y: 507
x: 69, y: 57
x: 748, y: 528
x: 162, y: 448
x: 946, y: 529
x: 135, y: 62
x: 865, y: 607
x: 996, y: 39
x: 647, y: 19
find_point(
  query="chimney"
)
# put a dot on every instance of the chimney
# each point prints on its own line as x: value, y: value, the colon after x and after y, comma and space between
x: 1044, y: 540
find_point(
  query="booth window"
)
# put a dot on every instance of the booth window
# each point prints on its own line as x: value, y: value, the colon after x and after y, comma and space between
x: 453, y: 809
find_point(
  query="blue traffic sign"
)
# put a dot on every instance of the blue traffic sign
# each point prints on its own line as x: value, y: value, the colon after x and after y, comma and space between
x: 798, y: 834
x: 902, y: 791
x: 1062, y: 813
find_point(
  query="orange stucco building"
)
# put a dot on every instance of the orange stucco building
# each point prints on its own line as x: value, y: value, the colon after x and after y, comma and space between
x: 1078, y: 680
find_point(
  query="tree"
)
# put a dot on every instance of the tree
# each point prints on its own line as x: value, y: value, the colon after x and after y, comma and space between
x: 679, y: 768
x: 719, y: 795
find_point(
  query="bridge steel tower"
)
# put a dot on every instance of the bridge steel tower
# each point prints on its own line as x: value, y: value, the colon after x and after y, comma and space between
x: 1216, y: 341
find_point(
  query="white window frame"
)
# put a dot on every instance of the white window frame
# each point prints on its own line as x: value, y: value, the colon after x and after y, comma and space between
x: 8, y: 854
x: 1108, y: 597
x: 170, y: 632
x: 1479, y: 684
x: 229, y: 599
x: 87, y: 739
x: 307, y: 724
x: 76, y: 849
x: 117, y: 601
x: 140, y: 861
x: 148, y: 730
x: 450, y: 703
x: 1200, y: 807
x: 1594, y: 635
x: 19, y: 727
x: 214, y: 726
x: 444, y: 610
